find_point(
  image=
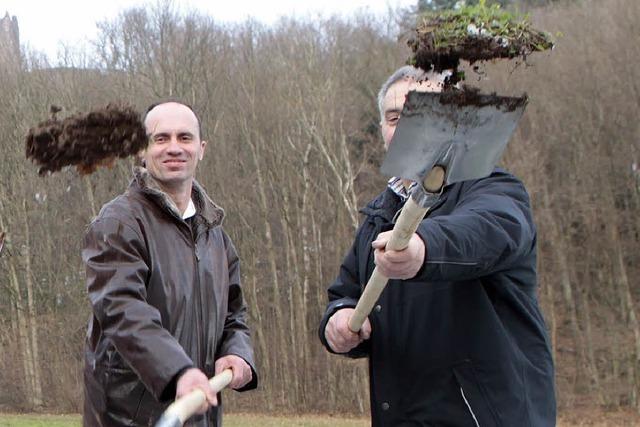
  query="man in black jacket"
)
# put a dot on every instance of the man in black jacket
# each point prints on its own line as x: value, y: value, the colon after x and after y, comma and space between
x: 457, y: 337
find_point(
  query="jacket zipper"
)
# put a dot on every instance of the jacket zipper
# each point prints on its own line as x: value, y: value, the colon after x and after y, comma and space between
x: 469, y: 407
x: 196, y: 264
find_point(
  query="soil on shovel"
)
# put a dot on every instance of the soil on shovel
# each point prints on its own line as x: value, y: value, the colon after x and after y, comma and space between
x: 86, y: 140
x: 471, y: 96
x: 472, y: 33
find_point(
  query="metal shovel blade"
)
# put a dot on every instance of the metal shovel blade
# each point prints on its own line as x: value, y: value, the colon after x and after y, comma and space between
x: 465, y: 132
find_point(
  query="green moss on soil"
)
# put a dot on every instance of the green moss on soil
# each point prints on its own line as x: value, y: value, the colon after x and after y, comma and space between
x: 473, y: 33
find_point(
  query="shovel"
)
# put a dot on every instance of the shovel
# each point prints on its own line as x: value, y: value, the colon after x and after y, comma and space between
x: 182, y: 409
x: 441, y: 138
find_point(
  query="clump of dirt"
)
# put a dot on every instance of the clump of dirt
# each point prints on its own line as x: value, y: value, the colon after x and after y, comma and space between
x: 472, y: 96
x: 473, y: 33
x: 465, y: 96
x: 86, y: 140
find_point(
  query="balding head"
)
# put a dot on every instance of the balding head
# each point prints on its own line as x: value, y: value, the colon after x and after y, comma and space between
x: 172, y: 101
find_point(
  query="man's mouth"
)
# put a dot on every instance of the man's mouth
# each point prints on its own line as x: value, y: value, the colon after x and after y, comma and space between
x: 172, y: 162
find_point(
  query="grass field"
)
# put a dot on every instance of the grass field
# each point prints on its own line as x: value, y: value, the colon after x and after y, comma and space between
x: 234, y: 420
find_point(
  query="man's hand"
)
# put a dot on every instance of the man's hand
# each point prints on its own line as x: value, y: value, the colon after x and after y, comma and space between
x: 337, y: 333
x: 192, y: 379
x: 240, y: 369
x: 403, y: 264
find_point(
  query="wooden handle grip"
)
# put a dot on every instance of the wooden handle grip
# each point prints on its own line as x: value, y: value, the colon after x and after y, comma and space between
x: 371, y: 293
x: 406, y: 225
x: 220, y: 381
x: 186, y: 406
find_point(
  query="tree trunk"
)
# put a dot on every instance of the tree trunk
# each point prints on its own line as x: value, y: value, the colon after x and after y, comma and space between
x: 90, y: 196
x: 260, y: 338
x: 632, y: 318
x: 590, y: 353
x: 294, y: 307
x: 270, y: 251
x: 31, y: 312
x: 559, y: 250
x: 23, y: 338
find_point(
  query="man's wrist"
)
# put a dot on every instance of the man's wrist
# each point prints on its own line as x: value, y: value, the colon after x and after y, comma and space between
x: 169, y: 392
x: 331, y: 310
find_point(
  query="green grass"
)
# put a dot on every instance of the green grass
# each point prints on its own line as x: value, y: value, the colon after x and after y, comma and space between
x: 40, y: 420
x: 597, y: 419
x: 473, y: 33
x: 450, y: 28
x: 291, y: 421
x: 229, y: 421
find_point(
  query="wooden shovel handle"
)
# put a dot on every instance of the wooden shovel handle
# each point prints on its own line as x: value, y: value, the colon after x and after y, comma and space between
x: 187, y: 405
x: 405, y: 226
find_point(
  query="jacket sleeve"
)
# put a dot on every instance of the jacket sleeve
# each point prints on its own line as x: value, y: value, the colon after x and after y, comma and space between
x: 236, y: 336
x: 344, y: 293
x: 489, y: 230
x: 117, y: 267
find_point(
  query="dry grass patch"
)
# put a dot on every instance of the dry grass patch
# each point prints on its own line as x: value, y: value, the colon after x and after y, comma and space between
x: 579, y: 418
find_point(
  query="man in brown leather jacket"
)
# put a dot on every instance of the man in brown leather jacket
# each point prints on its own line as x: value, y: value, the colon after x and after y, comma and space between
x: 164, y: 285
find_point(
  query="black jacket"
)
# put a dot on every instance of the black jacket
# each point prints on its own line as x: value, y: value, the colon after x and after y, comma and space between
x: 464, y: 342
x: 165, y: 296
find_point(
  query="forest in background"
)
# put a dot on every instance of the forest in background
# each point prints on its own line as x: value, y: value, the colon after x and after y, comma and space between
x: 290, y: 114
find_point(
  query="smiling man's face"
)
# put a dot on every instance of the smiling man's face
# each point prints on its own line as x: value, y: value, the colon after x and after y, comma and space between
x: 174, y: 147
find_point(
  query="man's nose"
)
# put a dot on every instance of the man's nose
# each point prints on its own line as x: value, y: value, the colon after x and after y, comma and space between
x: 174, y: 145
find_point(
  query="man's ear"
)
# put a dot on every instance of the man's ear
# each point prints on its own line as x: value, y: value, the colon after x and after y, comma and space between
x: 202, y: 147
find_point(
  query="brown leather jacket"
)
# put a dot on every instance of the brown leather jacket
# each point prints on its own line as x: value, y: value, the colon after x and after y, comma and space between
x: 165, y: 297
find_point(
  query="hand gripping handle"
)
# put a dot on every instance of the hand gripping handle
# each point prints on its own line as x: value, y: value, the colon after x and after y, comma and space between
x: 182, y: 409
x: 405, y: 226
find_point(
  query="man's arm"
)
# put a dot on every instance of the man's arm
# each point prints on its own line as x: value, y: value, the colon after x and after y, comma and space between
x: 489, y: 230
x: 117, y: 268
x: 236, y: 337
x: 344, y: 294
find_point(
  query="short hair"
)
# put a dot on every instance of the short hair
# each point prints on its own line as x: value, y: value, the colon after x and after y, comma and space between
x: 411, y: 72
x: 176, y: 101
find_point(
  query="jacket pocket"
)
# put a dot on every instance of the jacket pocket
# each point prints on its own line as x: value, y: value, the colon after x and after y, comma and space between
x: 473, y: 396
x: 124, y: 392
x: 147, y: 409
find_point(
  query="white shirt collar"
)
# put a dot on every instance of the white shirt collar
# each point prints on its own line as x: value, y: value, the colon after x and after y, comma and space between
x: 190, y: 211
x: 397, y: 186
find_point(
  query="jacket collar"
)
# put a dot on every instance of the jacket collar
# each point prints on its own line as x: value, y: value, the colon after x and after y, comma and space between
x: 385, y: 205
x: 211, y: 213
x: 388, y: 203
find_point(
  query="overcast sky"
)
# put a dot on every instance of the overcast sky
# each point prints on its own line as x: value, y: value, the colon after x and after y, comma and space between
x: 45, y: 23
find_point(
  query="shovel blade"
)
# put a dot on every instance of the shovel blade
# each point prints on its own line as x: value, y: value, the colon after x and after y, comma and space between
x: 466, y: 134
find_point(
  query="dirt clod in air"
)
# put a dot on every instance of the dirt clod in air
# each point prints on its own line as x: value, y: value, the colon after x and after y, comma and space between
x: 86, y: 140
x: 473, y: 33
